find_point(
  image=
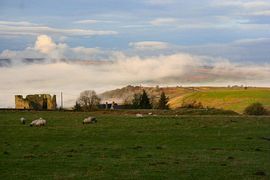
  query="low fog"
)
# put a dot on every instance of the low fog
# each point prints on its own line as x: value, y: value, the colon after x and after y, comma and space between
x: 48, y: 67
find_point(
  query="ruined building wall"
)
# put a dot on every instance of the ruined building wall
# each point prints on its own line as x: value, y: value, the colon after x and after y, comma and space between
x: 21, y: 103
x: 37, y: 102
x: 52, y: 102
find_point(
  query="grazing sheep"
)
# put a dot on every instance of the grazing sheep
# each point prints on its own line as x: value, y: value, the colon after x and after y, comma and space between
x: 89, y: 120
x: 139, y: 115
x: 38, y: 122
x: 23, y: 120
x: 150, y: 114
x: 41, y: 122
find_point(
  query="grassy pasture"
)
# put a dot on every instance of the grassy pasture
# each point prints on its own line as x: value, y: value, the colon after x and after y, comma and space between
x: 126, y: 147
x: 233, y: 98
x: 236, y: 99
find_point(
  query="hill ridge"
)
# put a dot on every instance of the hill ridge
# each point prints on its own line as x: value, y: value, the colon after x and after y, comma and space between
x: 229, y: 98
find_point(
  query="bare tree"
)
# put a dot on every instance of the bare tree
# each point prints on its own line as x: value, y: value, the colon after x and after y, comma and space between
x: 88, y: 100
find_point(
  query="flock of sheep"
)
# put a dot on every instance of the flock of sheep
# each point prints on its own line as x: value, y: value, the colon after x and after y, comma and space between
x: 42, y: 122
x: 89, y: 120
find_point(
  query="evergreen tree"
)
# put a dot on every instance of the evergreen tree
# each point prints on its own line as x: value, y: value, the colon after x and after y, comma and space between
x: 136, y: 101
x: 163, y: 101
x: 77, y: 107
x: 145, y: 101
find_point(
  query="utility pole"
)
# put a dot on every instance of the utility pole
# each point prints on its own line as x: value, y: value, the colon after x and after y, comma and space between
x: 61, y: 100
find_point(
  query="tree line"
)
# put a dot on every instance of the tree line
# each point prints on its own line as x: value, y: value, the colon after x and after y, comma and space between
x: 142, y: 101
x: 89, y: 100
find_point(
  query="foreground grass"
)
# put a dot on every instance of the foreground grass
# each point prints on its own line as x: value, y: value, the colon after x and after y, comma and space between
x: 126, y: 147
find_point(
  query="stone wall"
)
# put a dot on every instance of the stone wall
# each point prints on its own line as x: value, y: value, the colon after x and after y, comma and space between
x: 36, y: 101
x: 21, y: 103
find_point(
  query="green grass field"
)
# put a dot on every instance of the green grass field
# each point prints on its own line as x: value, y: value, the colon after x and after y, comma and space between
x: 126, y: 147
x: 236, y: 99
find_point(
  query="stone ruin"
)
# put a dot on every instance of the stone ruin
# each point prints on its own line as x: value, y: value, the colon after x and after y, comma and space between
x: 36, y: 102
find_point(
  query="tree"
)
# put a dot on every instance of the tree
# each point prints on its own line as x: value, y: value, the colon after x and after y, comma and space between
x: 136, y: 101
x: 77, y: 107
x: 163, y: 101
x: 145, y: 101
x: 255, y: 109
x: 154, y: 101
x: 88, y: 100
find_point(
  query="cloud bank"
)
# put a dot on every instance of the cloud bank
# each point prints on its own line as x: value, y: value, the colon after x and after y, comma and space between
x: 121, y: 69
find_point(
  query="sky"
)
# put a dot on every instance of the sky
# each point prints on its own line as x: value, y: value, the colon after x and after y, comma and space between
x: 74, y: 45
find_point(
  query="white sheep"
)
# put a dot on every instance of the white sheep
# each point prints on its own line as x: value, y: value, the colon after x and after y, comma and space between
x: 139, y: 115
x: 89, y: 120
x: 23, y: 120
x: 41, y: 122
x: 38, y: 122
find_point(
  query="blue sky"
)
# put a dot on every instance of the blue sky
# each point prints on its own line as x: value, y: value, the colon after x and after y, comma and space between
x: 207, y: 42
x: 178, y: 22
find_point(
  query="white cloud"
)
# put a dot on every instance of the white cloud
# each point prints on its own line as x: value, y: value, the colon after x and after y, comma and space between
x: 149, y: 45
x: 86, y: 51
x: 91, y: 21
x: 163, y: 21
x: 216, y: 22
x: 46, y: 48
x: 45, y: 44
x: 17, y: 23
x: 251, y: 41
x: 261, y: 13
x: 87, y: 21
x: 248, y: 4
x: 27, y: 28
x: 17, y: 57
x: 256, y: 4
x: 246, y: 8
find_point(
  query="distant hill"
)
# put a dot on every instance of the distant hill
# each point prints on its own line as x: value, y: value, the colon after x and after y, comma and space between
x: 235, y: 98
x: 125, y: 94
